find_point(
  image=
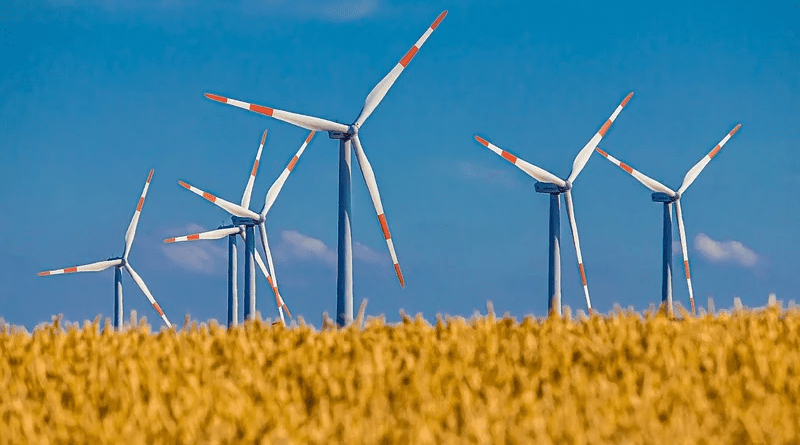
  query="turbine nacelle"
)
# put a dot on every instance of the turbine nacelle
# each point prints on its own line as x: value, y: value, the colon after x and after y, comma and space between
x: 663, y: 197
x: 553, y: 189
x: 239, y: 221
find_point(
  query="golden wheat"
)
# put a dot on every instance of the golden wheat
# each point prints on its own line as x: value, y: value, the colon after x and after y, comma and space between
x: 620, y: 378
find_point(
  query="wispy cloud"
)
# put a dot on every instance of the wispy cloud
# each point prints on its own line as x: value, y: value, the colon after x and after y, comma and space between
x: 296, y: 246
x: 205, y: 257
x: 725, y: 251
x: 332, y: 10
x: 490, y: 175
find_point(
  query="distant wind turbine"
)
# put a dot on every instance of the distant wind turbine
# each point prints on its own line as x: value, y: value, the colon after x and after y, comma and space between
x: 118, y: 263
x: 347, y: 135
x: 244, y: 220
x: 555, y: 186
x: 664, y: 194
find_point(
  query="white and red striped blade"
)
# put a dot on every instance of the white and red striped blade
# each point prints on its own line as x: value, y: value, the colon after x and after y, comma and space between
x: 275, y: 189
x: 379, y: 91
x: 574, y: 227
x: 533, y: 171
x: 647, y: 181
x: 248, y: 190
x: 140, y: 282
x: 273, y: 282
x: 91, y: 267
x: 211, y: 234
x: 278, y: 299
x: 691, y: 175
x: 131, y: 232
x: 372, y: 187
x: 586, y: 152
x: 685, y: 251
x: 300, y: 120
x: 229, y: 207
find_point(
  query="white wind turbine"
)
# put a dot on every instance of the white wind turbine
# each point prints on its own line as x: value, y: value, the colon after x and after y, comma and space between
x: 347, y: 135
x: 664, y: 194
x: 243, y: 222
x: 119, y: 263
x: 555, y: 186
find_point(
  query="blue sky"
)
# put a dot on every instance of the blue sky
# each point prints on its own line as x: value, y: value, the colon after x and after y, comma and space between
x: 93, y: 94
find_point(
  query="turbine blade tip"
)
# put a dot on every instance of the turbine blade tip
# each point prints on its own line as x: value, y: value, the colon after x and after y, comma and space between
x: 439, y: 19
x: 482, y: 140
x: 184, y: 185
x: 627, y: 98
x: 263, y: 137
x: 399, y: 275
x: 43, y: 274
x: 600, y: 150
x: 310, y: 135
x: 215, y: 97
x: 735, y: 129
x: 169, y: 240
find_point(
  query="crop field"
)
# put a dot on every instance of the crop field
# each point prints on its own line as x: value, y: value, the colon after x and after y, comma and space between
x: 623, y: 377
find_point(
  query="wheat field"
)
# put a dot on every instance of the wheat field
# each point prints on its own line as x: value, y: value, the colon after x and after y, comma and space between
x: 624, y: 377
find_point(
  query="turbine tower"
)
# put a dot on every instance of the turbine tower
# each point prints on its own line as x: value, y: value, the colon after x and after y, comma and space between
x: 667, y: 196
x: 348, y: 136
x: 555, y: 186
x: 244, y: 220
x: 120, y: 263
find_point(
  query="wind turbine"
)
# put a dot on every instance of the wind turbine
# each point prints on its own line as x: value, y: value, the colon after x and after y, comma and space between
x: 119, y: 263
x: 244, y: 220
x: 347, y: 136
x: 555, y: 186
x: 664, y: 194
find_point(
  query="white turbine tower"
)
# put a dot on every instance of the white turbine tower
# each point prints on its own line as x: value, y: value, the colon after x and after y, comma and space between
x: 664, y: 194
x: 555, y: 186
x: 244, y: 220
x: 119, y: 263
x: 347, y: 136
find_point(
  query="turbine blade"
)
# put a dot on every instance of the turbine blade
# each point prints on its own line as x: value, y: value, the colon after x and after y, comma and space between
x: 372, y: 186
x: 685, y: 251
x: 91, y: 267
x: 300, y: 120
x: 131, y: 232
x: 248, y: 190
x: 691, y: 175
x: 647, y: 181
x: 272, y: 193
x: 379, y: 91
x: 229, y: 207
x: 272, y: 283
x: 574, y: 227
x: 583, y: 156
x: 533, y: 171
x: 140, y: 282
x: 211, y: 234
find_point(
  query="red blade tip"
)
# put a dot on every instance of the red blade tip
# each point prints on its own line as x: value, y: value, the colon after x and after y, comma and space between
x: 150, y: 176
x: 215, y: 97
x: 627, y: 98
x: 263, y: 137
x: 736, y: 129
x: 184, y: 185
x: 169, y: 240
x: 439, y: 19
x: 482, y: 140
x: 310, y: 135
x: 42, y: 274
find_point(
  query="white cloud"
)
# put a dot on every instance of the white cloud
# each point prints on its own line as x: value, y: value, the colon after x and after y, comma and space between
x: 333, y: 10
x: 494, y: 176
x: 725, y: 251
x: 367, y: 255
x: 205, y: 256
x: 296, y: 246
